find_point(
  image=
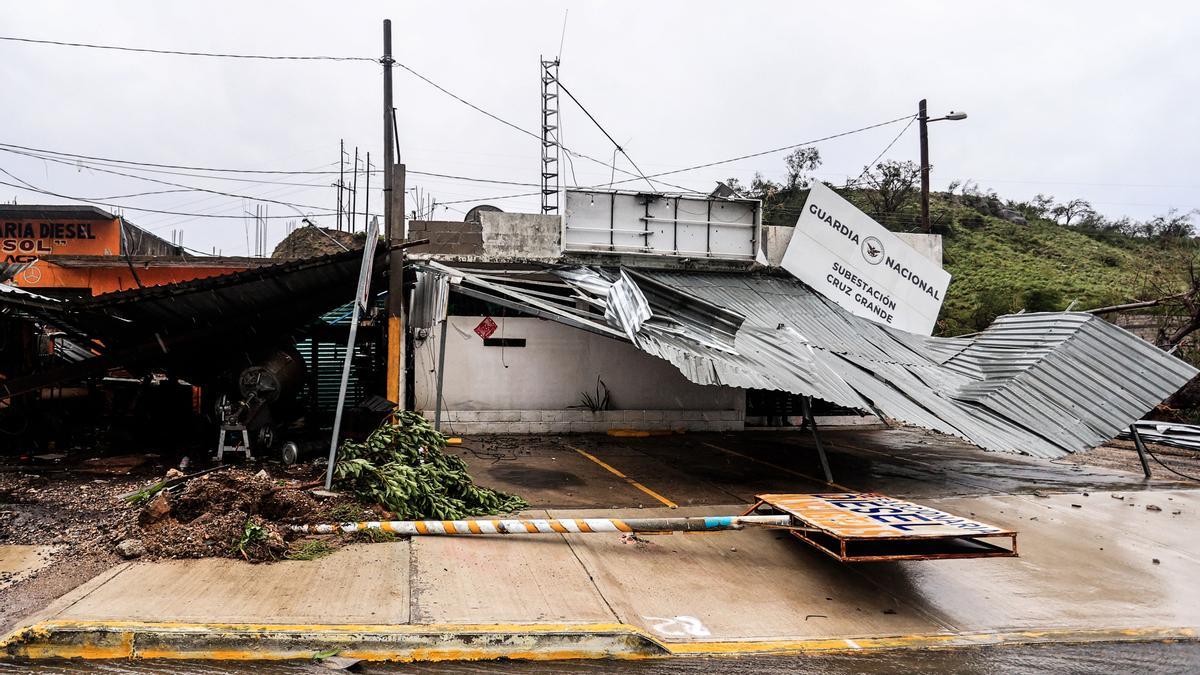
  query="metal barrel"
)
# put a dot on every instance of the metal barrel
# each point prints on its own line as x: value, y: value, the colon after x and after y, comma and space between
x: 549, y: 525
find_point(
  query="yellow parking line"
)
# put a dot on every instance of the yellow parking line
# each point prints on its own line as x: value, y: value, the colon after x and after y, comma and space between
x: 780, y: 468
x: 627, y: 479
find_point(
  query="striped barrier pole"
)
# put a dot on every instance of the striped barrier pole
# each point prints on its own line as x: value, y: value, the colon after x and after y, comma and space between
x: 550, y: 525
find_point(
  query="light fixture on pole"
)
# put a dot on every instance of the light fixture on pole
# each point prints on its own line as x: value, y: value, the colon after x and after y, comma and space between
x: 924, y: 119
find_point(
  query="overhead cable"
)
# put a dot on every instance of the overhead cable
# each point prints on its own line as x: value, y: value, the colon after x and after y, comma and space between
x: 180, y: 185
x: 32, y: 188
x: 709, y: 164
x: 172, y: 52
x: 605, y: 132
x: 92, y: 161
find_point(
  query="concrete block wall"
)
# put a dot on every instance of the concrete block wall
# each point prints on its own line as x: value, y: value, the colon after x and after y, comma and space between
x: 447, y: 237
x: 521, y: 235
x: 585, y: 421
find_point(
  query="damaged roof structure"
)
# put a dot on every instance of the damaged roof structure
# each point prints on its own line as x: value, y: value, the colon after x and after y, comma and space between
x: 190, y: 325
x: 1042, y: 384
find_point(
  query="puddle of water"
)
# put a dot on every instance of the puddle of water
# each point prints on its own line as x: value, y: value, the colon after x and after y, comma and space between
x: 1143, y: 658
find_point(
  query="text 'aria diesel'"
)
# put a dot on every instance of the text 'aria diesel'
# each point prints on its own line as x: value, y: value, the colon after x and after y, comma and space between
x: 895, y: 265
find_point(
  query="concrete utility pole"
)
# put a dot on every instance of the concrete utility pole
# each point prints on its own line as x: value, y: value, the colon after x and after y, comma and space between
x: 393, y: 216
x: 923, y: 118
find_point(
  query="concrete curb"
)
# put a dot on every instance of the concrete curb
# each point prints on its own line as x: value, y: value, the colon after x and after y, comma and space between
x: 266, y: 642
x: 250, y: 642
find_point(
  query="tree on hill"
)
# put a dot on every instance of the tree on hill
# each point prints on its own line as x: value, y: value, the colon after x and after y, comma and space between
x: 1076, y: 208
x: 799, y: 163
x: 889, y: 186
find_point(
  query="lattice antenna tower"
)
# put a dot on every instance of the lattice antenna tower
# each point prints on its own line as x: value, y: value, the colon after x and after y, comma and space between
x: 550, y: 142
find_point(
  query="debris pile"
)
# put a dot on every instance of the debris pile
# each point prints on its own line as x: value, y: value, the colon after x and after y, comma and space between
x: 399, y: 472
x: 231, y: 512
x: 312, y: 241
x: 403, y: 467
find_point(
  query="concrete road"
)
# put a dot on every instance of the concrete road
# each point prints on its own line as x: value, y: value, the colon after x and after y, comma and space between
x: 700, y: 469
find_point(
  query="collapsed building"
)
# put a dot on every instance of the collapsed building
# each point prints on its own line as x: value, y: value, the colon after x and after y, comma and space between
x: 114, y: 327
x: 629, y: 311
x: 649, y: 311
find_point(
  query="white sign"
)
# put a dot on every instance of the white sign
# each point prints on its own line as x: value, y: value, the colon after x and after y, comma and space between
x: 856, y: 262
x: 642, y: 223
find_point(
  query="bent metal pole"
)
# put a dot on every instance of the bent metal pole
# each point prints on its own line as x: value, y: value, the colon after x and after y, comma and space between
x: 550, y: 525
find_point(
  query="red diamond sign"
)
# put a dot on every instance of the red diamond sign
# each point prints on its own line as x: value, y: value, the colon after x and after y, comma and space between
x: 485, y: 328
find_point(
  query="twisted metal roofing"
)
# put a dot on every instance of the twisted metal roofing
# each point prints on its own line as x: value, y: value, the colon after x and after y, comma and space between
x: 1043, y: 384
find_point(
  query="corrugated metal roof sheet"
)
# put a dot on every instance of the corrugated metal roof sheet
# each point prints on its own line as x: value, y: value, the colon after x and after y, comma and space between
x: 1042, y: 384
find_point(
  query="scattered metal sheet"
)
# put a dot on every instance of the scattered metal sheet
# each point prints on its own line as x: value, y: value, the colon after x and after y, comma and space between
x: 1167, y: 433
x: 869, y: 527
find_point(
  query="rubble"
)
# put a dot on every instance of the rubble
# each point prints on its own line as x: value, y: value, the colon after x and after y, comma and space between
x: 307, y: 242
x: 131, y: 548
x: 233, y: 513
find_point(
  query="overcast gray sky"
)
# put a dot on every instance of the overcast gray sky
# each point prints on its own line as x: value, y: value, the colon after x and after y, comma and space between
x: 1077, y: 99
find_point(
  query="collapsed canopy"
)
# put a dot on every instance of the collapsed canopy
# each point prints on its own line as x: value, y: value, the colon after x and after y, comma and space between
x: 1042, y: 384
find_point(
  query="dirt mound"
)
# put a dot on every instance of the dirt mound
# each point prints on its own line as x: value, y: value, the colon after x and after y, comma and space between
x: 310, y: 241
x: 232, y: 513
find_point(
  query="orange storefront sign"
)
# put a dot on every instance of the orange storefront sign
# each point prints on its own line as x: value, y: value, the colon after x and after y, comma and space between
x: 24, y: 240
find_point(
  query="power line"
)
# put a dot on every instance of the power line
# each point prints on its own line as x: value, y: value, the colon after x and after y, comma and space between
x: 520, y: 129
x: 883, y: 152
x: 470, y: 179
x: 185, y: 53
x: 512, y: 196
x: 489, y: 199
x: 605, y: 132
x: 32, y: 188
x: 113, y: 164
x: 710, y: 164
x: 779, y: 149
x: 93, y: 162
x: 165, y: 166
x: 177, y: 185
x: 732, y: 159
x: 439, y: 88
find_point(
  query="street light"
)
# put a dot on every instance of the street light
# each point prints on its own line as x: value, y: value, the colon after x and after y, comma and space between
x: 923, y: 116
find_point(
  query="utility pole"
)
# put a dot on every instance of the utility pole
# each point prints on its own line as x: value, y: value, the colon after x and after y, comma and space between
x: 393, y: 216
x: 341, y: 179
x: 367, y: 193
x: 923, y: 118
x: 354, y: 193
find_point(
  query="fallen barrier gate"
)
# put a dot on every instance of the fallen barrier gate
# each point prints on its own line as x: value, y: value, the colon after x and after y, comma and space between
x: 849, y: 526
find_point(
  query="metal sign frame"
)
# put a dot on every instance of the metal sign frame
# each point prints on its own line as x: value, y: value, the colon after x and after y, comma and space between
x: 658, y: 224
x: 870, y: 539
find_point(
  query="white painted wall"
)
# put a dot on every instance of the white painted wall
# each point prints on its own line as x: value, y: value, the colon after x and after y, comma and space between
x: 557, y: 363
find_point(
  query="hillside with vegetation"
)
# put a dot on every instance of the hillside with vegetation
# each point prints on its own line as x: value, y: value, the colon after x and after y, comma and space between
x: 1007, y: 255
x: 1044, y: 254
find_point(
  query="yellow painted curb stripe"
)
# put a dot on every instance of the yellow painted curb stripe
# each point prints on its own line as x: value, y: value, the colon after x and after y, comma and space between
x: 627, y: 479
x: 34, y: 641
